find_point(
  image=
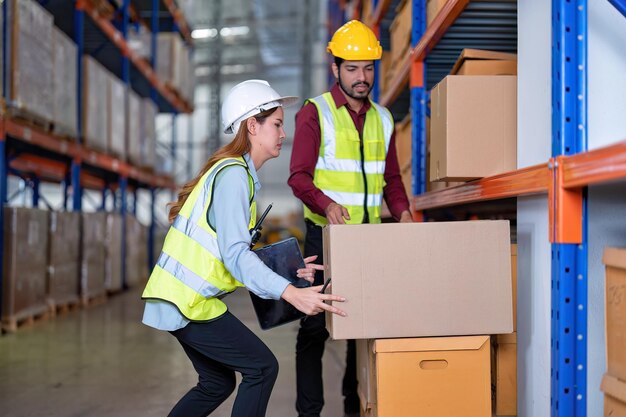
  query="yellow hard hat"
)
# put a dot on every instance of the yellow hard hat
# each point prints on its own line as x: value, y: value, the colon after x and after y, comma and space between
x: 355, y: 42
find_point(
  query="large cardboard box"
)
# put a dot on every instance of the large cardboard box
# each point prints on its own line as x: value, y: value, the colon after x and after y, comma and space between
x: 116, y: 102
x: 615, y: 261
x: 64, y: 258
x: 481, y: 62
x: 95, y: 104
x: 25, y: 263
x: 473, y: 127
x: 614, y: 396
x: 420, y: 279
x: 443, y: 376
x: 504, y: 374
x: 65, y: 109
x: 92, y: 256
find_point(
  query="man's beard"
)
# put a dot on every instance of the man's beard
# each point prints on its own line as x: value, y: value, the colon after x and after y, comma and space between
x: 350, y: 91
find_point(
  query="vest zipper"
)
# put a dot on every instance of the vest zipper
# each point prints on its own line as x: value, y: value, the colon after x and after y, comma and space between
x: 366, y: 216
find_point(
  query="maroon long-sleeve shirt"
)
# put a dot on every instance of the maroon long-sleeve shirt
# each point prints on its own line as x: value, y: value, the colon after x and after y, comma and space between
x: 306, y: 146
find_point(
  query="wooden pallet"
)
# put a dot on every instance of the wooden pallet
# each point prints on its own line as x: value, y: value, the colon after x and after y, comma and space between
x: 93, y: 300
x: 60, y: 307
x: 26, y: 318
x: 26, y: 117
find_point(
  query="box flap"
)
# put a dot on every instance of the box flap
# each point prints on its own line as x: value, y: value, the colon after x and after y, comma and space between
x: 507, y: 338
x: 615, y: 257
x: 426, y: 344
x: 613, y: 387
x: 468, y: 54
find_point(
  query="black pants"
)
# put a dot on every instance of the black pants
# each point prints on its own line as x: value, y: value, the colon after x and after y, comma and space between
x: 312, y: 337
x: 217, y: 350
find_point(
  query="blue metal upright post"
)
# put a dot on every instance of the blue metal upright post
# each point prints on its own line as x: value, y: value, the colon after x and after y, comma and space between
x: 123, y: 189
x: 418, y: 103
x: 569, y: 260
x: 79, y: 26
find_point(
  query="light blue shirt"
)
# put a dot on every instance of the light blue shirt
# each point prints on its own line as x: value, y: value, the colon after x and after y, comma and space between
x: 230, y: 214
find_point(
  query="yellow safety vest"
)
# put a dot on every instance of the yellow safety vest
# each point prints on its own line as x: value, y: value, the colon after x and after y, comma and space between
x: 190, y: 272
x: 350, y: 169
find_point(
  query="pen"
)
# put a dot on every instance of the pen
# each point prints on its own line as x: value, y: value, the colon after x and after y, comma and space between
x: 325, y: 286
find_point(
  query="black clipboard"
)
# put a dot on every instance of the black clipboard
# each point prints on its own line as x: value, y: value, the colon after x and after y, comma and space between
x: 285, y: 259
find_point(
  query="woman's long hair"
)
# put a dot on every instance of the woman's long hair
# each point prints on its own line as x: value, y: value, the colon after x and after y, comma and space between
x: 239, y: 146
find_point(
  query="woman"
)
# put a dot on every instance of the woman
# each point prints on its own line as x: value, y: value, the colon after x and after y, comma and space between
x: 207, y: 254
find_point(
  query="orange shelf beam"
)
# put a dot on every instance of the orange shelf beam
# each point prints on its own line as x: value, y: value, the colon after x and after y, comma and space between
x: 525, y: 181
x: 141, y: 64
x: 381, y: 10
x: 72, y: 150
x: 594, y: 167
x: 438, y: 28
x: 179, y: 18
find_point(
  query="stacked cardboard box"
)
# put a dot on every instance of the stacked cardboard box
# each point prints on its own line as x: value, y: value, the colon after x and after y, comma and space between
x: 92, y: 256
x: 136, y: 252
x: 64, y: 258
x: 133, y: 124
x: 113, y: 253
x: 116, y: 102
x: 614, y: 381
x: 461, y: 290
x: 25, y: 263
x: 64, y: 85
x: 32, y: 66
x: 147, y: 143
x: 169, y: 59
x: 95, y: 104
x: 474, y: 119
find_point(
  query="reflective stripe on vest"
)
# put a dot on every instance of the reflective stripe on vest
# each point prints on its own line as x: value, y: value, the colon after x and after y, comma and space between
x: 339, y: 171
x: 190, y: 272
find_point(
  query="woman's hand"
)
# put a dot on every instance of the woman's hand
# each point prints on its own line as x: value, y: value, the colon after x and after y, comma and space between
x: 308, y: 272
x: 310, y: 301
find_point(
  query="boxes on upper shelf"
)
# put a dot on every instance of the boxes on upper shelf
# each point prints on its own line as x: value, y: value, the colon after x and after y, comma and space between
x: 461, y: 287
x: 117, y: 111
x: 31, y: 72
x: 133, y: 123
x: 64, y: 84
x: 442, y: 376
x: 481, y: 62
x: 473, y: 127
x: 615, y: 261
x: 95, y: 104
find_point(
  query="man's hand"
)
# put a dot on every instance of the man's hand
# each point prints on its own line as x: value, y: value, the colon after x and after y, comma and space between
x: 406, y: 217
x: 336, y: 213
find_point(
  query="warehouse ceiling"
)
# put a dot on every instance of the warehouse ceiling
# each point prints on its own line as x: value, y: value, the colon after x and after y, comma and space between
x: 244, y: 38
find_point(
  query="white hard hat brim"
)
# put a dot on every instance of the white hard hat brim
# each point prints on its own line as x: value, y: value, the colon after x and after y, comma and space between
x: 284, y: 101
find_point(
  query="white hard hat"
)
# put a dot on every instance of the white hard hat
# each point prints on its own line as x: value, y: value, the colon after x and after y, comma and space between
x: 250, y: 98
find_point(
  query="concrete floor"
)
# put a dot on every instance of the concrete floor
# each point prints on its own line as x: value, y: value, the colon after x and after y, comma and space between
x: 102, y: 362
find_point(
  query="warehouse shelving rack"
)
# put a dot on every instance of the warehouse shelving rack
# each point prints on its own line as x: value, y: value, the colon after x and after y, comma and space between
x: 34, y: 154
x: 564, y: 178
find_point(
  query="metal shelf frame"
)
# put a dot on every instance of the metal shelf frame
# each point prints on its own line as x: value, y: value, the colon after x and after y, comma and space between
x: 564, y: 178
x: 36, y: 155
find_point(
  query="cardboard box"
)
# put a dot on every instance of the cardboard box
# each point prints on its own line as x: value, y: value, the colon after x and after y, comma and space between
x: 480, y: 62
x: 615, y: 261
x: 400, y: 32
x: 404, y: 145
x: 63, y: 279
x: 473, y: 127
x: 433, y: 7
x: 420, y: 279
x: 614, y: 396
x: 504, y: 374
x: 444, y: 376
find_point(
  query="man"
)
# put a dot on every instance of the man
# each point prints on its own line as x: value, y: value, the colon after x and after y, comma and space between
x: 342, y: 165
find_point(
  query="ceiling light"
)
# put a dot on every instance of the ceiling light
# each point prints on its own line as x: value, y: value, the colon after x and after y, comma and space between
x: 204, y: 33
